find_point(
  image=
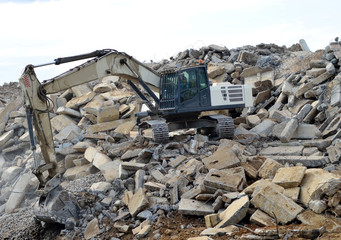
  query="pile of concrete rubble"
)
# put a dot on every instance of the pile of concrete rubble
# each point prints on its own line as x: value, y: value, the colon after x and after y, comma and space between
x: 281, y: 167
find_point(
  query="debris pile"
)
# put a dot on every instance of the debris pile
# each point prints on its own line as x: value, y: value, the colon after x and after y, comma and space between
x: 282, y: 166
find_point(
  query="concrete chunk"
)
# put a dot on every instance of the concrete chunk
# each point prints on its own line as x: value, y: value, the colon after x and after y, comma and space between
x: 223, y: 158
x: 81, y: 100
x: 269, y: 168
x: 289, y: 177
x: 193, y: 207
x: 308, y: 161
x: 262, y: 219
x: 282, y: 150
x: 227, y: 179
x: 138, y: 202
x: 69, y: 111
x: 92, y: 229
x: 97, y: 158
x: 5, y: 137
x: 276, y: 203
x: 315, y: 182
x: 60, y: 122
x: 234, y: 213
x: 107, y: 114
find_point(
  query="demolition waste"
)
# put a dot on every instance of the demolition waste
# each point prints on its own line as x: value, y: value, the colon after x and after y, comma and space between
x: 279, y: 177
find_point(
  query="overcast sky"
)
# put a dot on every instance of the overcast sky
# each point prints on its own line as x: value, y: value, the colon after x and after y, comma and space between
x: 35, y: 32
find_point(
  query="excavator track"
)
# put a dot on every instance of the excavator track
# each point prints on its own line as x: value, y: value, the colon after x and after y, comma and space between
x: 159, y: 129
x: 225, y: 126
x: 160, y: 132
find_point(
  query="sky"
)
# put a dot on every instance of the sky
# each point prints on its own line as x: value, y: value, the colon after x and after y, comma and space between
x: 39, y: 31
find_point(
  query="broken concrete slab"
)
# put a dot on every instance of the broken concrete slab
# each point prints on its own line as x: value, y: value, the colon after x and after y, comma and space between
x: 223, y: 158
x: 102, y: 127
x: 227, y: 179
x: 19, y: 192
x: 126, y: 127
x: 92, y: 229
x: 282, y: 150
x: 5, y: 137
x: 76, y: 102
x: 226, y: 231
x: 107, y: 114
x: 292, y: 193
x: 194, y: 207
x: 276, y: 203
x: 289, y: 177
x: 269, y: 168
x: 315, y: 182
x: 97, y: 158
x: 137, y: 203
x: 69, y: 111
x: 60, y: 122
x: 110, y: 170
x: 100, y: 187
x: 308, y: 161
x: 234, y: 213
x: 262, y: 219
x: 76, y: 172
x: 264, y: 129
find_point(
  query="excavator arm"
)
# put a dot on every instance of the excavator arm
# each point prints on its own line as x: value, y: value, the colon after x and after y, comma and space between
x: 104, y: 63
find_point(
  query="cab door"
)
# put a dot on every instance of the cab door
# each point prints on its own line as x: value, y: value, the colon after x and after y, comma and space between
x: 204, y: 88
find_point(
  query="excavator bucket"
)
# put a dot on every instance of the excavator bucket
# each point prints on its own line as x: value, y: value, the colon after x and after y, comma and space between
x: 56, y: 204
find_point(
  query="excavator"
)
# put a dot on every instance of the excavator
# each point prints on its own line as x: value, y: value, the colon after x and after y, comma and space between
x: 174, y: 98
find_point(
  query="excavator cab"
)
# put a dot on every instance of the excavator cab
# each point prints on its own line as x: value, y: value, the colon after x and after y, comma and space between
x: 186, y: 90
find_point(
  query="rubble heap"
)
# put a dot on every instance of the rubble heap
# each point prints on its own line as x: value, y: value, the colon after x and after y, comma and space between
x: 281, y: 167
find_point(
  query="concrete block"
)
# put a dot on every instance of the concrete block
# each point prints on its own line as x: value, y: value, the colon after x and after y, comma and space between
x: 289, y: 177
x: 69, y: 111
x: 76, y: 172
x: 97, y: 158
x: 282, y: 150
x: 256, y: 187
x: 193, y: 207
x: 227, y: 179
x: 253, y: 120
x: 60, y: 122
x: 102, y: 88
x: 70, y: 133
x: 223, y: 158
x: 276, y: 203
x: 153, y: 186
x: 137, y: 203
x: 126, y: 127
x: 82, y: 146
x: 269, y: 168
x: 115, y: 95
x: 5, y: 137
x: 192, y: 193
x: 316, y: 182
x: 264, y: 129
x: 94, y: 105
x: 100, y: 187
x: 80, y: 90
x: 308, y: 161
x: 102, y: 127
x: 19, y: 192
x: 214, y: 71
x: 110, y: 170
x: 177, y: 161
x: 313, y: 219
x: 234, y: 213
x: 262, y: 219
x: 10, y: 173
x: 92, y: 229
x: 226, y: 231
x: 292, y: 193
x: 81, y: 100
x: 129, y: 154
x: 132, y: 166
x: 107, y: 114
